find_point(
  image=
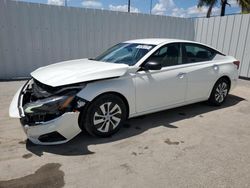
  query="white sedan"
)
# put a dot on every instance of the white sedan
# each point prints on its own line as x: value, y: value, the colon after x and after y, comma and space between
x: 130, y: 79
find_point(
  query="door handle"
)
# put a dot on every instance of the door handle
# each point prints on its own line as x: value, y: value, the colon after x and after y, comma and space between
x: 215, y: 67
x: 181, y: 75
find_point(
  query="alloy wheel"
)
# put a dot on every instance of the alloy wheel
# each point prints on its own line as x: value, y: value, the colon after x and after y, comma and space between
x: 107, y: 117
x: 221, y: 92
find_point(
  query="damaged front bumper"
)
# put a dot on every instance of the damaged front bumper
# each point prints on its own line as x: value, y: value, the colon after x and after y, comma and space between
x: 41, y: 125
x: 57, y: 131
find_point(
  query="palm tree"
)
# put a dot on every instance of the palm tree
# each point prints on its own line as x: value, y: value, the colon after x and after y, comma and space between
x: 224, y: 3
x: 209, y: 3
x: 245, y: 10
x: 245, y: 5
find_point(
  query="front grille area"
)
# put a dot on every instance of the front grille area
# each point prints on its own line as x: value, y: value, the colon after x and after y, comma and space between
x: 35, y: 91
x: 42, y: 103
x: 32, y: 120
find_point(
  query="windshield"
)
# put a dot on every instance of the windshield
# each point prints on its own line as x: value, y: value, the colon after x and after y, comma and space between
x: 126, y: 53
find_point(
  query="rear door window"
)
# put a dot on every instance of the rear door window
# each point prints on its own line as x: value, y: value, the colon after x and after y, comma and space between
x: 197, y: 53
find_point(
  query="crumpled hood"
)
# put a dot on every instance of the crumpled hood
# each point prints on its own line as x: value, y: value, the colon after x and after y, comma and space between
x: 76, y: 71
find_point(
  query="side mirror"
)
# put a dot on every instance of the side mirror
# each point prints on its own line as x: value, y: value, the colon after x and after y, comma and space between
x: 150, y: 65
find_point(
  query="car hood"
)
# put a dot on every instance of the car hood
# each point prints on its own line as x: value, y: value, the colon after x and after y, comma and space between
x: 76, y: 71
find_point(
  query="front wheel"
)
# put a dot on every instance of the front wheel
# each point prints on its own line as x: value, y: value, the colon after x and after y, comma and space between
x: 219, y: 92
x: 104, y: 116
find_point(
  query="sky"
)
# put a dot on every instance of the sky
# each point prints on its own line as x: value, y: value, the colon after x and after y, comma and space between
x: 177, y: 8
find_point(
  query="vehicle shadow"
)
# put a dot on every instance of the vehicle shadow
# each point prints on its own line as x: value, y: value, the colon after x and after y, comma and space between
x: 135, y: 126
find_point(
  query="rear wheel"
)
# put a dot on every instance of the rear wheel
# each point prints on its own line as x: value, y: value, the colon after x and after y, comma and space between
x: 104, y: 116
x: 219, y: 92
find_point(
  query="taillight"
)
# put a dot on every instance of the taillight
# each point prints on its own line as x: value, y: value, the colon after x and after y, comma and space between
x: 237, y: 63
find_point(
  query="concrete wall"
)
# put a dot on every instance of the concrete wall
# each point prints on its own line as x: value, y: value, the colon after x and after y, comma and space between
x: 229, y: 34
x: 34, y: 35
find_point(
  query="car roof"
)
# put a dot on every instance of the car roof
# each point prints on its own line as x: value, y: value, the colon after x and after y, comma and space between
x: 156, y: 41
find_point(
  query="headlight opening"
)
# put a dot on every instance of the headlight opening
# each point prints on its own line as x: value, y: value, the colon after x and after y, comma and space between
x: 41, y: 108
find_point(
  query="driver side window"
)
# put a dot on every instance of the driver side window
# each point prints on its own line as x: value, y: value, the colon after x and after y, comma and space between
x: 168, y: 55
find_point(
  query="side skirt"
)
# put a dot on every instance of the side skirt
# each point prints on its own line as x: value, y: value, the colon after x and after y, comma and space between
x: 167, y: 107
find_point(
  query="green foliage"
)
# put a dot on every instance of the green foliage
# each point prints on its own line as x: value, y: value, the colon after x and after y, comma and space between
x: 202, y: 3
x: 244, y: 4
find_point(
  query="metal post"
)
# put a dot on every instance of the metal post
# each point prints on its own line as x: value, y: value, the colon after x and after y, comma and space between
x: 150, y: 6
x: 128, y: 5
x: 65, y: 3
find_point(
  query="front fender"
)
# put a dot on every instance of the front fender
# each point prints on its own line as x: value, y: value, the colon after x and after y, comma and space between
x: 123, y: 85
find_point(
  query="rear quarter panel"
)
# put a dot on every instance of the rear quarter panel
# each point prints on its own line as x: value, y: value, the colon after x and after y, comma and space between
x: 227, y: 68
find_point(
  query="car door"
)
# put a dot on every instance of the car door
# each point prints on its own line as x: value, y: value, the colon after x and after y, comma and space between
x: 161, y: 88
x: 202, y: 70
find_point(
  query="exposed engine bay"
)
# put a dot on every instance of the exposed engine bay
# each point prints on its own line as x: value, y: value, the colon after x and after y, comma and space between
x: 42, y: 103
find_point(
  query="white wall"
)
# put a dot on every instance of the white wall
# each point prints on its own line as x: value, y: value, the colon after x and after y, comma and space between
x: 34, y: 35
x: 229, y: 34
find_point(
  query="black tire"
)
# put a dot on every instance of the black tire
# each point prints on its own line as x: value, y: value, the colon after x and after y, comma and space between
x: 219, y: 92
x: 98, y: 120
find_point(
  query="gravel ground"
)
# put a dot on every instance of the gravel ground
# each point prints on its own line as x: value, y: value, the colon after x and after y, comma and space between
x: 192, y: 146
